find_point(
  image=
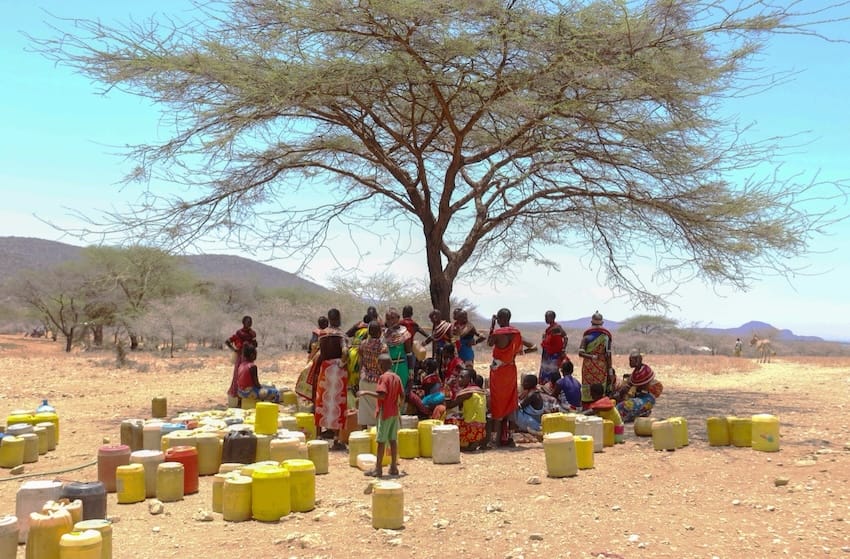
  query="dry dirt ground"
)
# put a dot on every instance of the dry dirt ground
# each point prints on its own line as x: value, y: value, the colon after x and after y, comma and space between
x: 698, y: 501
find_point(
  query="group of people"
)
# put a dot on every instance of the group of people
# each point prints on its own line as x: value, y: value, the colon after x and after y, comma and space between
x: 359, y: 367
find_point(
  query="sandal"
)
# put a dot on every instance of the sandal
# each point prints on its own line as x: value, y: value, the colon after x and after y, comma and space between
x: 394, y: 472
x: 338, y: 446
x: 372, y: 473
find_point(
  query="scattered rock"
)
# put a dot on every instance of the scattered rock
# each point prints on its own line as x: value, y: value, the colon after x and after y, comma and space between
x: 634, y: 538
x: 494, y: 507
x: 155, y: 506
x: 106, y: 440
x: 515, y: 553
x: 770, y: 508
x: 394, y: 542
x: 441, y: 523
x: 535, y: 537
x: 615, y: 508
x: 533, y: 480
x: 736, y: 502
x: 805, y: 462
x: 781, y: 481
x: 846, y: 447
x: 202, y: 515
x: 155, y: 529
x: 17, y: 470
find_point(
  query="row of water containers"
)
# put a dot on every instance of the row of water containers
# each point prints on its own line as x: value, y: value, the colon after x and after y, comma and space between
x: 28, y: 435
x: 759, y: 431
x: 429, y: 438
x: 57, y: 521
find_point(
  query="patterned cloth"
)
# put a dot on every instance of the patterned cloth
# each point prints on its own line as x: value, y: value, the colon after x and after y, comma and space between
x: 395, y: 338
x: 239, y: 339
x: 331, y: 397
x: 596, y: 341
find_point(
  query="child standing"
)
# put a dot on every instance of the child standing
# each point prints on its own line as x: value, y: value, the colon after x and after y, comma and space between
x: 390, y: 394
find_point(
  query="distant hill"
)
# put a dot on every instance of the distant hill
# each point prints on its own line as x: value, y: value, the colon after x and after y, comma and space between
x: 744, y: 331
x: 20, y: 253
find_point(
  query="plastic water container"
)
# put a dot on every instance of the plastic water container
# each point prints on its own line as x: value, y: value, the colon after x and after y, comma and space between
x: 765, y: 432
x: 680, y: 425
x: 41, y: 433
x: 741, y: 431
x: 284, y: 449
x: 387, y: 505
x: 349, y: 426
x: 188, y: 456
x: 718, y: 431
x: 664, y: 435
x: 130, y: 483
x: 236, y: 498
x: 30, y: 498
x: 104, y: 528
x: 11, y: 451
x: 152, y: 435
x: 19, y: 417
x: 50, y: 430
x: 643, y: 426
x: 359, y: 443
x: 408, y: 443
x: 19, y: 429
x: 263, y: 447
x: 373, y: 446
x: 132, y: 433
x: 86, y: 544
x: 584, y: 451
x: 239, y: 446
x: 426, y: 448
x: 265, y: 420
x: 91, y: 493
x: 306, y: 424
x: 591, y: 426
x: 170, y: 481
x: 45, y: 416
x: 209, y: 453
x: 445, y: 440
x: 607, y: 432
x: 287, y: 422
x: 302, y: 484
x: 270, y: 493
x: 45, y: 407
x: 409, y: 422
x: 8, y: 536
x: 555, y: 422
x: 317, y: 452
x: 619, y: 434
x: 177, y: 437
x: 30, y: 447
x: 289, y: 398
x: 159, y: 407
x: 150, y: 460
x: 560, y: 451
x: 45, y: 533
x: 109, y: 457
x: 74, y: 508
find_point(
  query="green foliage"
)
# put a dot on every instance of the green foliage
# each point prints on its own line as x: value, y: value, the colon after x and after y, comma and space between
x: 648, y: 324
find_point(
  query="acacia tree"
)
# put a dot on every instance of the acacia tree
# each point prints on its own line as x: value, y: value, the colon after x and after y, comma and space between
x: 648, y: 324
x: 491, y: 129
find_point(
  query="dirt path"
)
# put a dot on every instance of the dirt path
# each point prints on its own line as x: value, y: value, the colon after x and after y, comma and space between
x: 699, y: 501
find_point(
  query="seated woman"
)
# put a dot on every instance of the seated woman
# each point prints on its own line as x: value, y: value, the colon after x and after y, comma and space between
x: 640, y: 390
x: 247, y: 382
x: 531, y: 407
x: 427, y: 398
x: 472, y: 421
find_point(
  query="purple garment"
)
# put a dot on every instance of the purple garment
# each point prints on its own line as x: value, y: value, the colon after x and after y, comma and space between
x: 570, y: 391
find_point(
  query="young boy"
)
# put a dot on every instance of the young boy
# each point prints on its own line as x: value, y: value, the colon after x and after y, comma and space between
x: 247, y: 381
x: 390, y: 395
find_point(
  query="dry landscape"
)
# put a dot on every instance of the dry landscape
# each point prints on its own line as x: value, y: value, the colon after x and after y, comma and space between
x: 698, y: 501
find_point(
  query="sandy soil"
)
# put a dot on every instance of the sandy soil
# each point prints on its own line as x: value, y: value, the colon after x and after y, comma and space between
x: 699, y: 501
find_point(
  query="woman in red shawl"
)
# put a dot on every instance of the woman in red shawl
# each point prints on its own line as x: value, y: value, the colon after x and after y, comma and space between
x: 507, y: 342
x: 244, y: 336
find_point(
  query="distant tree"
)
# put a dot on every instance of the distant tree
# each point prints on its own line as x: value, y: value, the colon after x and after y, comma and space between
x: 130, y: 278
x: 173, y: 321
x: 57, y: 294
x: 490, y: 130
x: 648, y: 324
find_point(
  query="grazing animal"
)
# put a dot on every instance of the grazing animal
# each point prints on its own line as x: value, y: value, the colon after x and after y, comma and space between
x: 763, y: 348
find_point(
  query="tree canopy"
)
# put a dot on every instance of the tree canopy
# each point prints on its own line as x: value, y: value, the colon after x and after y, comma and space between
x: 491, y: 129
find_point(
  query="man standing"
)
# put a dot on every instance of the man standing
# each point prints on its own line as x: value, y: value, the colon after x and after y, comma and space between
x: 595, y: 351
x: 507, y: 342
x: 554, y: 346
x: 331, y: 379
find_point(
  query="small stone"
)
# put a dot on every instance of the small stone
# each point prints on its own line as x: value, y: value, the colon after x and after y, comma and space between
x: 736, y: 502
x: 846, y: 549
x: 535, y: 537
x: 805, y: 462
x: 642, y: 545
x: 441, y: 523
x: 203, y: 515
x: 106, y: 440
x: 155, y: 529
x: 615, y: 508
x: 689, y: 528
x: 515, y: 553
x: 846, y: 447
x: 494, y: 507
x: 781, y: 481
x: 770, y: 508
x: 17, y: 470
x: 634, y: 538
x: 155, y: 506
x: 533, y: 480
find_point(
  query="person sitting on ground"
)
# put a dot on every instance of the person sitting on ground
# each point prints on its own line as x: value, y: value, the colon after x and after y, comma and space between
x: 639, y: 393
x: 531, y: 407
x: 567, y: 389
x: 472, y: 419
x: 427, y: 398
x: 453, y: 365
x: 390, y: 394
x: 248, y: 383
x: 606, y: 408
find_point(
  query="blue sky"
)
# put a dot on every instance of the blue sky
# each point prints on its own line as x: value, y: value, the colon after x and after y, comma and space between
x: 59, y: 141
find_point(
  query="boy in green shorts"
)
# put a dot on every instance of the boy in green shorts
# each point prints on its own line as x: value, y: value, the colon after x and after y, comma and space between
x: 390, y: 394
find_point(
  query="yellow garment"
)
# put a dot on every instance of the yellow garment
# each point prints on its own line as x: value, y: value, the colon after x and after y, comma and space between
x: 475, y: 409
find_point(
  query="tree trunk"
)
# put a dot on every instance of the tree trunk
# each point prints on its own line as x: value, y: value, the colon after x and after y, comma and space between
x: 440, y: 286
x: 97, y: 335
x: 171, y: 345
x: 134, y: 342
x: 69, y: 339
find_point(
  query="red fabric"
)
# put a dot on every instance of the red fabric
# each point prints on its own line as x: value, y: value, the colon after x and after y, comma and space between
x: 602, y: 404
x: 389, y: 391
x: 410, y: 324
x: 553, y: 343
x: 244, y: 380
x: 243, y: 336
x: 331, y: 402
x: 504, y: 396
